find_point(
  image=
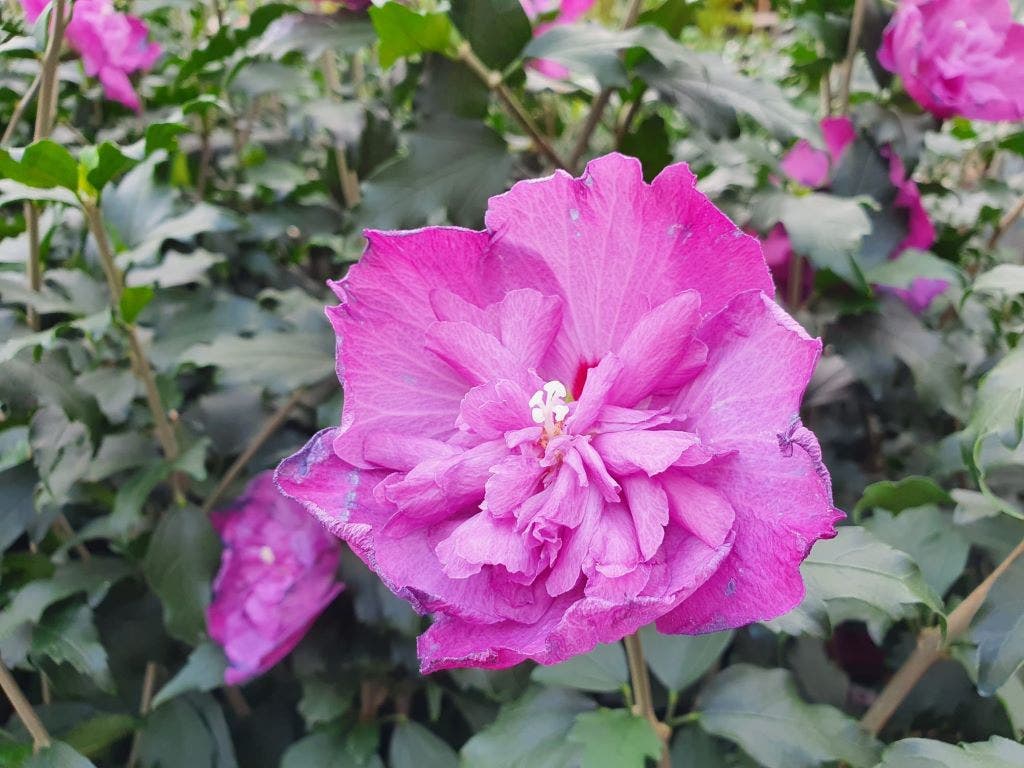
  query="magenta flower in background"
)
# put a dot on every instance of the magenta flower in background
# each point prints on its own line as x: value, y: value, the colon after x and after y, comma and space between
x: 277, y: 574
x: 566, y: 12
x: 958, y: 57
x: 813, y: 168
x: 574, y: 423
x: 112, y: 44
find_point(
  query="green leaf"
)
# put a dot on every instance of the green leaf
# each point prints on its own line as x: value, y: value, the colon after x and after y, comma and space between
x: 856, y: 566
x: 929, y: 536
x: 179, y: 565
x: 997, y: 752
x: 679, y: 660
x: 134, y: 300
x: 43, y: 165
x: 911, y: 265
x: 313, y: 35
x: 203, y: 671
x: 496, y: 29
x: 57, y: 755
x: 451, y: 165
x: 94, y: 577
x: 761, y: 711
x: 282, y: 362
x: 897, y: 495
x: 413, y: 746
x: 94, y: 735
x: 586, y: 49
x: 612, y: 738
x: 14, y: 448
x: 998, y: 630
x: 68, y: 635
x: 404, y: 32
x: 187, y: 732
x: 529, y: 732
x: 1005, y: 279
x: 824, y: 228
x: 163, y: 136
x: 103, y: 163
x: 603, y: 670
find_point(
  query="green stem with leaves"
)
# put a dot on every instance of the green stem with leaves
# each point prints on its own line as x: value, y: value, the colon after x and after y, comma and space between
x: 601, y: 100
x: 495, y: 83
x: 642, y: 695
x: 931, y: 646
x: 140, y: 362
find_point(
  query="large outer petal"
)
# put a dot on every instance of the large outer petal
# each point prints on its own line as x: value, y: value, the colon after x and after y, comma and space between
x: 392, y: 383
x: 613, y: 248
x: 747, y: 399
x: 341, y: 497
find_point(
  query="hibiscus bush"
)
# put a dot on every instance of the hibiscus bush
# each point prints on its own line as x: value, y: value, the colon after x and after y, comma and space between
x: 507, y: 383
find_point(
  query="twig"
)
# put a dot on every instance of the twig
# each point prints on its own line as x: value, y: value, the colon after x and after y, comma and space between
x: 19, y: 109
x: 846, y: 74
x: 145, y: 702
x: 140, y: 363
x: 346, y: 177
x: 930, y: 648
x: 24, y: 710
x: 236, y: 700
x: 268, y: 429
x: 602, y: 99
x: 1006, y: 223
x: 641, y: 682
x: 627, y: 122
x: 64, y: 529
x: 493, y: 81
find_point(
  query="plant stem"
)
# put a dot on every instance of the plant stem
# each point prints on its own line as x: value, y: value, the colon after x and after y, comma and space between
x: 268, y: 429
x: 846, y: 74
x: 145, y: 700
x: 140, y: 362
x: 45, y: 107
x: 641, y: 683
x: 24, y: 710
x: 19, y: 109
x: 347, y: 178
x: 1006, y: 223
x: 493, y: 81
x: 930, y: 648
x: 601, y: 101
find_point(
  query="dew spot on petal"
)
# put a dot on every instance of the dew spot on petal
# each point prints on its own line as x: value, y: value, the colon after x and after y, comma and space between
x: 730, y: 588
x: 574, y: 214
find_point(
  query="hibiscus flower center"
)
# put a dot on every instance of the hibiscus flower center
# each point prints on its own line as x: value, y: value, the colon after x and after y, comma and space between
x: 549, y: 409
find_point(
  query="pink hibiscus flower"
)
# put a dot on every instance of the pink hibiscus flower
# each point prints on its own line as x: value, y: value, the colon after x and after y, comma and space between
x: 958, y: 57
x: 574, y: 423
x: 277, y: 574
x: 813, y: 168
x: 112, y: 45
x: 568, y: 12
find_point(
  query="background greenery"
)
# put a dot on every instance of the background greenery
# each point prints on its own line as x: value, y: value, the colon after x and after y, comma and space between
x: 272, y: 133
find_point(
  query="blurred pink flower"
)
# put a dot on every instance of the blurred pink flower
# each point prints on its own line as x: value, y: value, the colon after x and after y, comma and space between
x: 277, y: 574
x: 567, y: 12
x: 958, y: 57
x: 813, y: 168
x: 574, y: 423
x: 112, y: 44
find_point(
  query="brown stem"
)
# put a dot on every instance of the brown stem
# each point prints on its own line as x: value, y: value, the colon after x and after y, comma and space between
x: 269, y: 428
x: 205, y: 158
x: 627, y: 122
x: 642, y: 695
x: 348, y: 179
x: 19, y: 109
x: 601, y: 101
x: 846, y: 75
x: 237, y: 701
x: 930, y: 648
x: 24, y: 710
x: 48, y: 80
x: 145, y: 701
x: 34, y: 265
x: 140, y: 362
x: 63, y: 528
x: 1006, y: 223
x: 493, y: 81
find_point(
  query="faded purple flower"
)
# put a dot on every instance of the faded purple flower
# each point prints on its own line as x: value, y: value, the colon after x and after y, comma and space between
x: 958, y: 57
x: 277, y: 574
x: 574, y: 423
x: 113, y: 45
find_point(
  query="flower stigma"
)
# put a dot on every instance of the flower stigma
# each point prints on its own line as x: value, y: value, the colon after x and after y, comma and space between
x: 549, y: 409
